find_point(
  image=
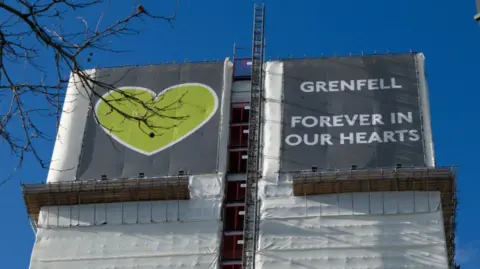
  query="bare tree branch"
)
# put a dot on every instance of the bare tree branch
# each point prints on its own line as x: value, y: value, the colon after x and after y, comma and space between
x: 29, y: 30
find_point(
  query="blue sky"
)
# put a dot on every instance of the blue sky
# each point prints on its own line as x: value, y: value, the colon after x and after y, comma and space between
x: 207, y: 29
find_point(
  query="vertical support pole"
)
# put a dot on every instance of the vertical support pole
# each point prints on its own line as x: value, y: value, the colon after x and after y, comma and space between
x: 369, y: 194
x: 166, y: 201
x: 94, y: 214
x: 321, y: 208
x: 414, y: 196
x: 178, y: 198
x: 48, y: 216
x: 137, y: 191
x: 105, y: 190
x: 123, y: 189
x: 151, y: 202
x: 58, y: 213
x: 383, y: 200
x: 306, y: 205
x: 78, y: 208
x: 94, y: 205
x: 70, y: 206
x: 353, y: 203
x: 428, y: 194
x: 338, y: 184
x: 397, y: 179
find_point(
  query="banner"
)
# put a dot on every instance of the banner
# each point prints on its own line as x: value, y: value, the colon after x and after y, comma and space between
x: 157, y: 121
x: 351, y: 111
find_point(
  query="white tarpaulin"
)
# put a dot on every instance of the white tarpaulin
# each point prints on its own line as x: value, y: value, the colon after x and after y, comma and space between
x: 378, y: 230
x: 140, y: 235
x: 140, y: 246
x: 132, y: 235
x: 352, y: 230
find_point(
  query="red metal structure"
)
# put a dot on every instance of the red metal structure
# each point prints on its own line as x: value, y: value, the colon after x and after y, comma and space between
x: 235, y: 190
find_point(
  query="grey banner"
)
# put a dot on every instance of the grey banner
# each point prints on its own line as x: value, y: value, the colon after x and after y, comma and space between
x: 185, y: 140
x: 361, y: 111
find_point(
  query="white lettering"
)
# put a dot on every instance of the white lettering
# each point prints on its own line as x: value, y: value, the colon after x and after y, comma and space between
x: 401, y: 134
x: 321, y: 86
x: 337, y: 121
x: 394, y: 85
x: 293, y: 140
x: 314, y: 139
x: 351, y: 121
x: 307, y: 86
x: 295, y: 120
x: 364, y: 119
x: 326, y: 139
x: 341, y: 120
x: 314, y: 121
x: 382, y: 85
x: 308, y: 139
x: 361, y: 83
x: 361, y: 138
x: 325, y: 121
x: 373, y: 84
x: 350, y: 138
x: 393, y: 118
x: 333, y: 86
x: 388, y: 135
x: 310, y: 143
x: 414, y: 136
x: 408, y: 118
x: 345, y: 85
x: 375, y: 137
x: 377, y: 119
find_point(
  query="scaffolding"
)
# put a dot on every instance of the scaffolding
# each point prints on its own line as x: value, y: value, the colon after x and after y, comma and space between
x: 254, y: 130
x: 105, y: 191
x: 442, y: 180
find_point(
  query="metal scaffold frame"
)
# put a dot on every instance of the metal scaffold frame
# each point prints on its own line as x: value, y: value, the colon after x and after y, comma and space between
x: 68, y: 193
x: 254, y: 145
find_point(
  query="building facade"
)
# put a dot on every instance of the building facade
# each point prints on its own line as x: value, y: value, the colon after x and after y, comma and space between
x: 294, y: 163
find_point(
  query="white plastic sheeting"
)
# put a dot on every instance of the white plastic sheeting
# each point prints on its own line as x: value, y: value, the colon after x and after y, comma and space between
x: 364, y: 203
x: 130, y: 213
x: 272, y: 127
x: 206, y: 186
x: 222, y: 145
x: 140, y: 235
x: 131, y: 235
x: 425, y: 106
x: 66, y: 153
x: 140, y: 246
x: 353, y: 230
x: 394, y: 230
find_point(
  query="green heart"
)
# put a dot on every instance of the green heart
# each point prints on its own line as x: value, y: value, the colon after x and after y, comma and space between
x: 170, y: 116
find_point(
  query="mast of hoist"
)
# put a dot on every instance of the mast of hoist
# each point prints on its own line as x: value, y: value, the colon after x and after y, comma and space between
x: 253, y: 161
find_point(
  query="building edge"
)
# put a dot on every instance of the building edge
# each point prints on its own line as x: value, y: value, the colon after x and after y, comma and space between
x: 425, y: 110
x: 71, y: 129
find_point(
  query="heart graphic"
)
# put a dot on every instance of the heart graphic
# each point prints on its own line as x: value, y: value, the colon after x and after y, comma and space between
x: 172, y: 115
